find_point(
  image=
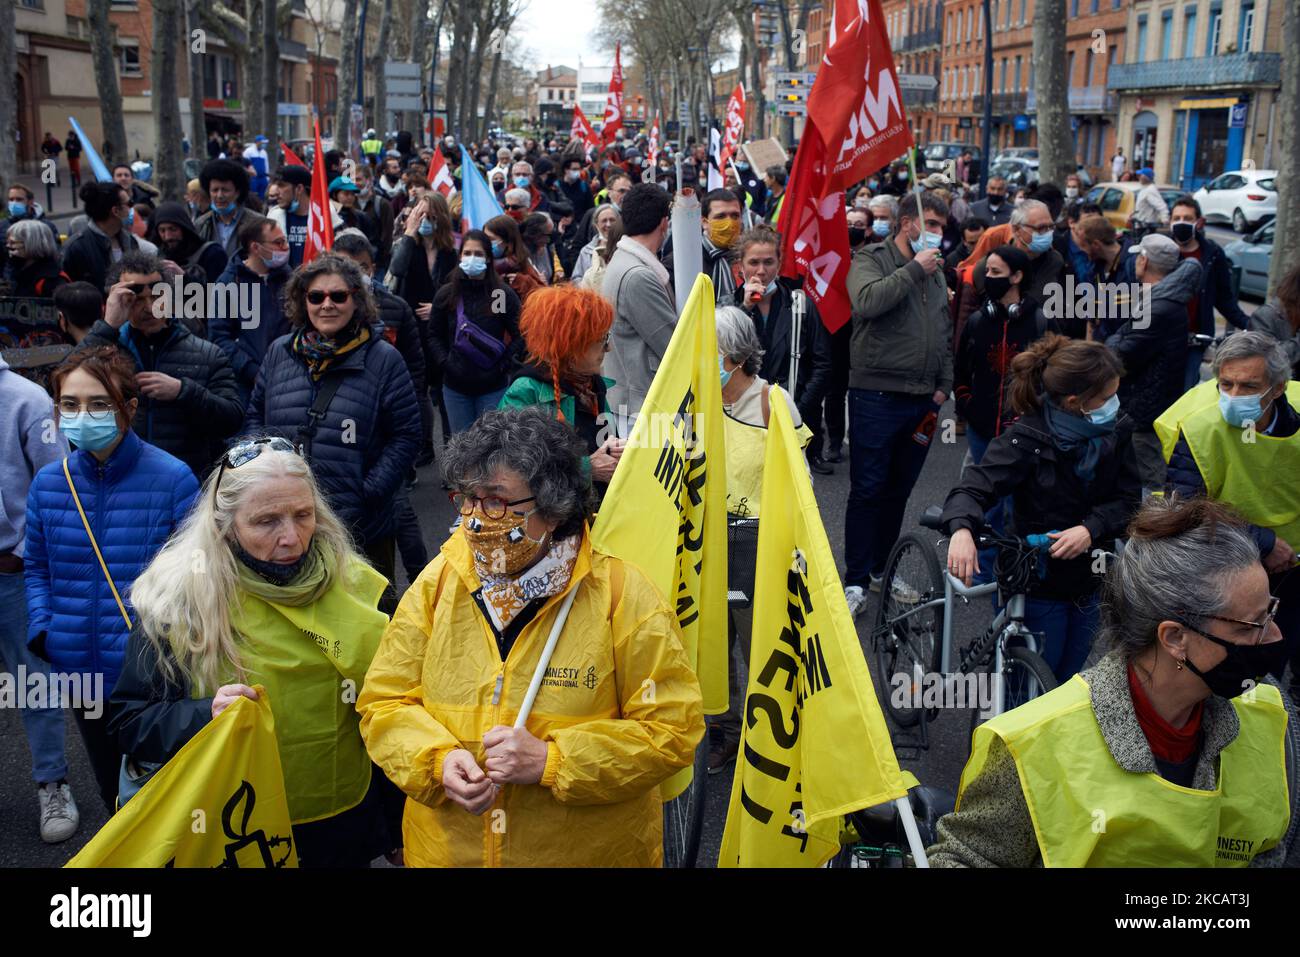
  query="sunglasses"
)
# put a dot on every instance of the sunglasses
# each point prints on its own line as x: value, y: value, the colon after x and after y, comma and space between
x: 336, y: 296
x: 141, y: 290
x: 245, y: 452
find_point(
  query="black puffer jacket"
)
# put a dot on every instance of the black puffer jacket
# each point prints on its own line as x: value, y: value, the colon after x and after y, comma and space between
x: 1048, y: 496
x: 458, y: 372
x: 368, y: 438
x: 38, y: 278
x: 1154, y: 348
x: 193, y: 426
x: 402, y: 332
x: 87, y: 255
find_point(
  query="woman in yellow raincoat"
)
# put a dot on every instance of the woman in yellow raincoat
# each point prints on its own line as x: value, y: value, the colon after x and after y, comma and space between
x: 618, y: 708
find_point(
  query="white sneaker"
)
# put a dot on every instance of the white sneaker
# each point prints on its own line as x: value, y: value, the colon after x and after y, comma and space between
x: 856, y: 599
x: 59, y: 817
x: 899, y: 589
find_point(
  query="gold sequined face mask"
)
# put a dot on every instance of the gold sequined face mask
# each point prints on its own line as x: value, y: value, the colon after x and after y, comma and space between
x: 501, y: 546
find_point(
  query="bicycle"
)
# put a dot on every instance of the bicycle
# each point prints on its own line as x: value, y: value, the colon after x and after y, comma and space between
x: 913, y: 631
x: 880, y: 840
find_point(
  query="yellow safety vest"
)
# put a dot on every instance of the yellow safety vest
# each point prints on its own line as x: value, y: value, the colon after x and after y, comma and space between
x: 305, y: 656
x: 1089, y: 812
x: 371, y: 147
x: 1245, y: 475
x: 746, y: 451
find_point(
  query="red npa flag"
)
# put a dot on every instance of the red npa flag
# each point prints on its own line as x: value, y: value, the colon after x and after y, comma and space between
x: 652, y: 146
x: 614, y: 100
x: 735, y: 126
x: 290, y: 157
x: 581, y: 129
x: 439, y: 175
x: 320, y: 219
x: 855, y: 126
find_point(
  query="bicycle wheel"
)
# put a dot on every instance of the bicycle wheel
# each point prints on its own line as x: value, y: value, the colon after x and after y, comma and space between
x: 903, y: 642
x: 1025, y: 676
x: 684, y: 814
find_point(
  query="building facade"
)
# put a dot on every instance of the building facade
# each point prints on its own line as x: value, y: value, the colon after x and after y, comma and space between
x: 555, y: 91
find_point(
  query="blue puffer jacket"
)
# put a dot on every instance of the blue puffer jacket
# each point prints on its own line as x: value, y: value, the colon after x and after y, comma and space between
x: 133, y: 502
x: 370, y: 434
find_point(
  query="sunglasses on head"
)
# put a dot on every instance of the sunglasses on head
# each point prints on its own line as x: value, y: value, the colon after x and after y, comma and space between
x: 336, y: 296
x: 245, y: 452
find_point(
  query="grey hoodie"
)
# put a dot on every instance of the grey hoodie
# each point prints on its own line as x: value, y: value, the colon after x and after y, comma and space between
x: 29, y: 440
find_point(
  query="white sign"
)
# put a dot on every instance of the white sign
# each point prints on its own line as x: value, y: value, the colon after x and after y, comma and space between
x: 291, y: 109
x: 792, y: 109
x: 403, y: 102
x: 917, y: 81
x: 396, y: 69
x: 803, y: 79
x: 404, y: 85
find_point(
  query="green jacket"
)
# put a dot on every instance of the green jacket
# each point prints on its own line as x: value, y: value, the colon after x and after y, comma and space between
x: 527, y: 391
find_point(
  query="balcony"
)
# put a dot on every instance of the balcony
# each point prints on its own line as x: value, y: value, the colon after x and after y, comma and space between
x: 1232, y: 69
x: 921, y: 99
x: 293, y: 50
x: 921, y: 39
x: 1083, y: 99
x: 1004, y: 103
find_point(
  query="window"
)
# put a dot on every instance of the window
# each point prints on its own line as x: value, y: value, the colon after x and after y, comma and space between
x: 1247, y: 26
x: 33, y: 4
x: 965, y: 80
x: 1189, y: 32
x: 129, y: 58
x: 1166, y: 34
x: 1074, y: 8
x: 948, y: 34
x: 1022, y: 12
x: 1092, y: 7
x: 1006, y: 21
x: 970, y: 15
x: 1069, y: 69
x: 1017, y: 87
x: 1140, y: 48
x: 979, y: 25
x: 1087, y: 68
x: 1212, y: 34
x: 1002, y: 85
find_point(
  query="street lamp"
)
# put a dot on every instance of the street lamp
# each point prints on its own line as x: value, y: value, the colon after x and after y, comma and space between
x: 986, y: 141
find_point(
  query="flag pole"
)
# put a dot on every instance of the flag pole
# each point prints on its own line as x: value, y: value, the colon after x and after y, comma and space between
x: 913, y: 835
x: 916, y: 186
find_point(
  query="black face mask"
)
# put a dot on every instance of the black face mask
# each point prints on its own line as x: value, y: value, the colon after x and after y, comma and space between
x: 997, y: 287
x: 995, y: 199
x: 277, y: 573
x: 1183, y: 232
x: 1243, y: 667
x: 857, y: 235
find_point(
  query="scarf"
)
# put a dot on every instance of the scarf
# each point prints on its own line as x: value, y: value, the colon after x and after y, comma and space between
x: 312, y: 580
x: 1074, y: 432
x: 505, y: 597
x: 319, y: 352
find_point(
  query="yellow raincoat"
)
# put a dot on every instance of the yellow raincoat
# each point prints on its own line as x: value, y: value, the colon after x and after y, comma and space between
x: 619, y: 708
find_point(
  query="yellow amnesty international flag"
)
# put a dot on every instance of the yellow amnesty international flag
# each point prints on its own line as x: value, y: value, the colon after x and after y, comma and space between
x: 813, y: 741
x: 220, y: 802
x: 665, y: 511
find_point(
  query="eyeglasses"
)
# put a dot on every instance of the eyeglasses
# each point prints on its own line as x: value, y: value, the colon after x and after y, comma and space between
x: 1261, y: 626
x: 98, y: 409
x: 515, y: 206
x: 336, y: 296
x: 1040, y: 230
x: 245, y: 452
x: 493, y: 507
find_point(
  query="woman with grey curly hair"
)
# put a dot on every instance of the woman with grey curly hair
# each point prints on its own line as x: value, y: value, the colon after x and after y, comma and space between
x: 1172, y: 751
x: 337, y: 390
x: 447, y: 708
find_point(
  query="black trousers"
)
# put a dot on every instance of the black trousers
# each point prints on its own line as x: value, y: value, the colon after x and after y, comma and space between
x: 358, y: 835
x: 837, y: 395
x: 382, y: 553
x: 105, y: 758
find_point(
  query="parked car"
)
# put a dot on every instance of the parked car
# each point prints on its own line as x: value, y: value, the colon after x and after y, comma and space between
x: 1250, y: 257
x: 1015, y: 170
x: 1118, y: 200
x: 1018, y: 152
x: 938, y: 155
x: 1244, y: 198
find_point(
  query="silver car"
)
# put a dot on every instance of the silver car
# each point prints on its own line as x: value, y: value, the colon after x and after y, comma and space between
x: 1250, y: 257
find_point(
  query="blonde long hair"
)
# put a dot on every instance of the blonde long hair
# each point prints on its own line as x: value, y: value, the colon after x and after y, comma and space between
x: 183, y: 599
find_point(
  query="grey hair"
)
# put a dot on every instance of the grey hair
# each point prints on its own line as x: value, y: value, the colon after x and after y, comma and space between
x: 889, y: 202
x: 544, y: 452
x: 1248, y: 345
x: 517, y: 195
x: 738, y: 339
x: 37, y: 240
x: 1020, y: 215
x: 1179, y: 562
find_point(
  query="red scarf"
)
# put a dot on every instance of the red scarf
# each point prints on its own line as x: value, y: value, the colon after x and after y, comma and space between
x: 1174, y: 745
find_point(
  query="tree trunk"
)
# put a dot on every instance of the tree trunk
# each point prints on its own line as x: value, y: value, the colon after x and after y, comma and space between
x: 1055, y: 139
x: 410, y: 120
x: 110, y: 95
x: 270, y: 27
x: 458, y: 67
x: 483, y: 40
x: 168, y: 160
x: 381, y: 57
x: 347, y: 75
x: 496, y: 74
x: 198, y: 126
x: 1286, y: 240
x: 254, y: 68
x: 8, y: 97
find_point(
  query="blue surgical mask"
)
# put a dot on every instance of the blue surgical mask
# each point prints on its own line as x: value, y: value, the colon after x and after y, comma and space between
x: 1237, y: 410
x: 1041, y: 243
x: 523, y: 181
x: 425, y: 228
x: 873, y: 184
x: 724, y: 373
x: 17, y: 210
x: 742, y: 166
x: 880, y: 227
x: 928, y: 240
x: 228, y: 210
x: 498, y: 250
x: 771, y: 288
x: 87, y: 433
x: 473, y: 266
x: 1105, y: 413
x: 293, y: 207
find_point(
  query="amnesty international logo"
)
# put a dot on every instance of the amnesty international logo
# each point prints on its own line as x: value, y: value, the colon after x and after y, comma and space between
x: 590, y: 680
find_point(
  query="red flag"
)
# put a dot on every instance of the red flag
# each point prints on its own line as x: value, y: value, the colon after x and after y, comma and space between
x: 290, y: 157
x: 614, y: 100
x: 439, y: 175
x: 815, y: 232
x: 581, y: 129
x: 652, y: 146
x: 320, y: 218
x: 855, y: 101
x: 735, y: 125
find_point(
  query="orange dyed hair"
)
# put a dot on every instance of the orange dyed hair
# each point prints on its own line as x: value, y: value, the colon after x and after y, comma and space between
x: 559, y: 323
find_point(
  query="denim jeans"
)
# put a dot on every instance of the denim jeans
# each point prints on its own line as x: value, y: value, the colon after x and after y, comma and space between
x: 884, y: 463
x: 464, y: 410
x: 1192, y: 372
x: 1068, y: 629
x: 44, y: 726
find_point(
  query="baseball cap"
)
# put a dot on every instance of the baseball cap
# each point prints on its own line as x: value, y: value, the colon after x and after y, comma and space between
x: 1161, y: 251
x: 259, y: 138
x: 343, y: 182
x: 1147, y: 171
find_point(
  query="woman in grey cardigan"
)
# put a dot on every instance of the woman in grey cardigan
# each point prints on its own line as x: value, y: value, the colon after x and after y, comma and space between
x: 1167, y: 753
x: 1280, y: 318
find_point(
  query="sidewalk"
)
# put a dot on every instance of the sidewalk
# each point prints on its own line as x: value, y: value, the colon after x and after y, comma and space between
x: 63, y: 209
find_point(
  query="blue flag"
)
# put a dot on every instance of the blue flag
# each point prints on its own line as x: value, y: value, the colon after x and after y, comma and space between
x: 478, y: 202
x: 96, y: 164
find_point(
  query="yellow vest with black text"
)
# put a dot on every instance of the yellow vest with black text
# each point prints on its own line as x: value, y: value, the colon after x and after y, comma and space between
x: 312, y: 660
x: 1087, y: 811
x: 1258, y: 477
x: 746, y: 452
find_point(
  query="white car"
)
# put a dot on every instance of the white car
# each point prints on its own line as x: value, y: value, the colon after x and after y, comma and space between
x: 1244, y: 198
